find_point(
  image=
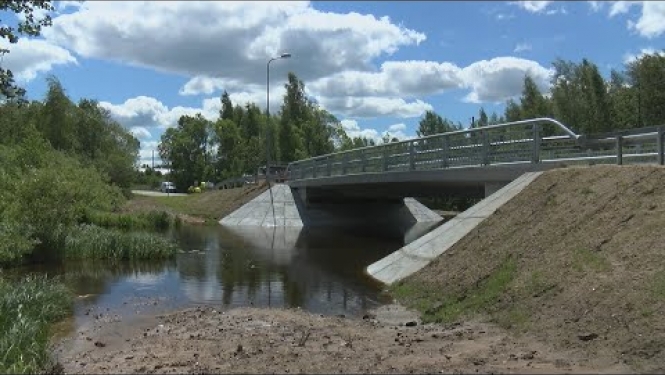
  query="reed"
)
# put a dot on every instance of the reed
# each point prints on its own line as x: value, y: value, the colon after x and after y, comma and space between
x: 93, y: 242
x: 153, y: 220
x: 27, y: 309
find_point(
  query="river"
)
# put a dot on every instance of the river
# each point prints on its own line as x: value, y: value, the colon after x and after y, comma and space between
x: 318, y: 270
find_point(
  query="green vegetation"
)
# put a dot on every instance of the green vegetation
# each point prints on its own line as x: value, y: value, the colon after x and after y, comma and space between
x: 92, y: 242
x: 62, y: 164
x: 27, y: 308
x: 152, y: 220
x: 446, y: 308
x: 584, y: 259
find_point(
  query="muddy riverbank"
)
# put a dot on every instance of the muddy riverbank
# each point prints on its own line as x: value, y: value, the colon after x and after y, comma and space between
x: 390, y: 339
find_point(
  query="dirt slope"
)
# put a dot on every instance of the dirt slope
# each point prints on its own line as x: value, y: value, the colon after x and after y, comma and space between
x: 577, y: 259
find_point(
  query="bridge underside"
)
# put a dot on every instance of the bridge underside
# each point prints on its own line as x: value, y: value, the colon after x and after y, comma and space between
x: 475, y: 182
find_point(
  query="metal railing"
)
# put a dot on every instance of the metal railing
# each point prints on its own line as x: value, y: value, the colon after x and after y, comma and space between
x: 539, y: 140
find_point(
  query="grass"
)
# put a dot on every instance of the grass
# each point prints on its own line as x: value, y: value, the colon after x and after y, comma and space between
x: 93, y: 242
x: 151, y: 220
x: 435, y: 307
x: 209, y: 205
x: 585, y: 259
x: 658, y: 285
x: 27, y: 309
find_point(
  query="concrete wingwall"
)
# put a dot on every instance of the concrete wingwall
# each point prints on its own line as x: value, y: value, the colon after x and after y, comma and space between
x: 417, y: 254
x: 281, y: 207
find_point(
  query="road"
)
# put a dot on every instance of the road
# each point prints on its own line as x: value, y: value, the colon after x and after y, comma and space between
x: 151, y: 193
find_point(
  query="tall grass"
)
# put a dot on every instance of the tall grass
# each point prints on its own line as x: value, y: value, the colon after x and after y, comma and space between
x: 153, y: 220
x: 27, y: 308
x: 92, y: 242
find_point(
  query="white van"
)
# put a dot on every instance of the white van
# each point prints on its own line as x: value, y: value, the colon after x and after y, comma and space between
x: 167, y: 187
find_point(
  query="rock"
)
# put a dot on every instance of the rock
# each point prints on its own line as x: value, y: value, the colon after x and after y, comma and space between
x: 529, y: 356
x: 369, y: 316
x: 588, y: 336
x: 239, y: 349
x: 412, y: 323
x: 99, y: 344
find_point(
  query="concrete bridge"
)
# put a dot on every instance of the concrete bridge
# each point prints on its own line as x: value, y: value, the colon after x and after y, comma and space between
x: 471, y: 162
x: 373, y: 184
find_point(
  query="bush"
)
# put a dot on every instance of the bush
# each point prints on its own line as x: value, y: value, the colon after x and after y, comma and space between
x: 27, y: 308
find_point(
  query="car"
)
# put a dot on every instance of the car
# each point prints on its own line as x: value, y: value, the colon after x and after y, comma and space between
x: 167, y: 187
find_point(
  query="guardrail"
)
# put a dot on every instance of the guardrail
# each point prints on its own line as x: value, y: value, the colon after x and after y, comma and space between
x: 539, y: 140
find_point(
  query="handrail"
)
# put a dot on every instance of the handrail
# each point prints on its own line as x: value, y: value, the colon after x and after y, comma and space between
x: 561, y: 126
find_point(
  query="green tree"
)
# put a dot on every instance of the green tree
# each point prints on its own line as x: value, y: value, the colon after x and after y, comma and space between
x: 647, y: 78
x: 30, y: 26
x: 186, y: 148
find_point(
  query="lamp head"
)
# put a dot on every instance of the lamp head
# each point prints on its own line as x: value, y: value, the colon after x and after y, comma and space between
x: 285, y: 56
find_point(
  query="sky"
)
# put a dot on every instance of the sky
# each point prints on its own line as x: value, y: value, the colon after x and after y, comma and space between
x: 377, y: 66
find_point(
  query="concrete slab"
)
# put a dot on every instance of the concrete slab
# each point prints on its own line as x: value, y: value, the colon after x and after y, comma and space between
x: 416, y: 255
x: 275, y: 207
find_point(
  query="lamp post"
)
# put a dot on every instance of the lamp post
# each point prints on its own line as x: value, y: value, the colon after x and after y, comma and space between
x: 282, y: 56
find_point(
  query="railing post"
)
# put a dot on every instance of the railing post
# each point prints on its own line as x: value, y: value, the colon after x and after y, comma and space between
x: 345, y: 161
x: 363, y: 161
x: 329, y: 161
x: 619, y: 150
x: 535, y: 158
x: 661, y: 149
x: 385, y: 158
x: 412, y: 156
x: 444, y: 152
x: 314, y: 168
x: 484, y: 134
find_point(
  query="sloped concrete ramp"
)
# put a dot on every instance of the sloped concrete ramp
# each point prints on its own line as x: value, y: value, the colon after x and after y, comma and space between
x: 417, y: 254
x: 259, y: 211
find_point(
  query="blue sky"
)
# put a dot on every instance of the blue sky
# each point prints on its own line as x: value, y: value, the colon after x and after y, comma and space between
x: 376, y: 65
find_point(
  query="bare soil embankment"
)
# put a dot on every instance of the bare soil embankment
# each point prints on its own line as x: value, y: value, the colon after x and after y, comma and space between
x: 577, y: 260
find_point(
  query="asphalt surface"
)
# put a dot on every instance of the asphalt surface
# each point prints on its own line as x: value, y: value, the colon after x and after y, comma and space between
x: 151, y: 193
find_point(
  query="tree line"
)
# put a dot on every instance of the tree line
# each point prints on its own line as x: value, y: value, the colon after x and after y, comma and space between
x: 198, y: 149
x: 582, y: 99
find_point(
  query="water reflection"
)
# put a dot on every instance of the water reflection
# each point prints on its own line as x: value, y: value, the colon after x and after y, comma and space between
x: 320, y: 270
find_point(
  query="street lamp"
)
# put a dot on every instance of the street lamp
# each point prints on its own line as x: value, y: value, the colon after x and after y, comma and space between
x: 282, y: 56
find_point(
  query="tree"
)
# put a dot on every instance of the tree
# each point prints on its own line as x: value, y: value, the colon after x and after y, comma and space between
x: 187, y: 149
x: 226, y: 113
x: 30, y: 26
x: 431, y: 123
x: 647, y: 78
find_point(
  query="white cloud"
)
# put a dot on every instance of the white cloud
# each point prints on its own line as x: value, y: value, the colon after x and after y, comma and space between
x: 630, y: 57
x: 397, y: 127
x: 228, y: 40
x: 651, y: 23
x: 620, y: 7
x: 64, y: 5
x: 140, y: 132
x: 364, y: 107
x: 595, y: 5
x: 521, y: 47
x: 501, y: 78
x: 29, y: 57
x: 395, y: 78
x: 148, y: 112
x: 533, y: 6
x: 504, y: 16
